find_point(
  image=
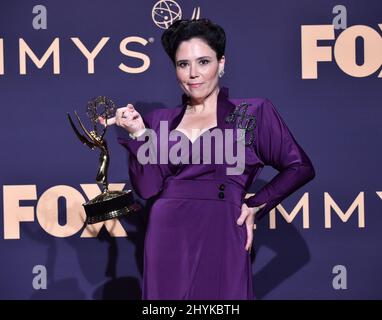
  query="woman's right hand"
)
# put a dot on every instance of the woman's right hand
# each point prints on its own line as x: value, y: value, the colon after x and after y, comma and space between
x: 127, y: 118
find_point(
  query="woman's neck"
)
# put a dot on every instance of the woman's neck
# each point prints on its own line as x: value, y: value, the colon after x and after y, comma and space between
x: 208, y: 104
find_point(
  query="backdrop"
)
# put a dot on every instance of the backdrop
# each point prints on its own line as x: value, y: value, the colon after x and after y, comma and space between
x: 319, y: 62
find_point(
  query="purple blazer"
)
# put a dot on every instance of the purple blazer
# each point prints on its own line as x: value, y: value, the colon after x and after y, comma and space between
x: 269, y: 142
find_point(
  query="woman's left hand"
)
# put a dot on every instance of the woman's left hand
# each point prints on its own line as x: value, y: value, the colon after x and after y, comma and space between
x: 248, y: 216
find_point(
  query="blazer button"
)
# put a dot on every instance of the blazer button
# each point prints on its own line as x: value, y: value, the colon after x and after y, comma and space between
x: 222, y: 187
x: 221, y: 195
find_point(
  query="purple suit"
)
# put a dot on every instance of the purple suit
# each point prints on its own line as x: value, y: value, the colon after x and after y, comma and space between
x: 193, y: 247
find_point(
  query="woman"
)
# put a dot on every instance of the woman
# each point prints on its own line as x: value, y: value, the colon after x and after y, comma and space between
x: 200, y: 229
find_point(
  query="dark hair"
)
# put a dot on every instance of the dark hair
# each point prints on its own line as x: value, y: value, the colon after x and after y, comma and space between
x: 182, y: 30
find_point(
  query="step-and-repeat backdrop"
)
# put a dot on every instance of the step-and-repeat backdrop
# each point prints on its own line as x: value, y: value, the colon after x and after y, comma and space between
x: 319, y: 62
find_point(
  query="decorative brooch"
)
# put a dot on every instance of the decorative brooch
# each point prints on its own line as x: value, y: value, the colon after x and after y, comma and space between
x: 243, y: 121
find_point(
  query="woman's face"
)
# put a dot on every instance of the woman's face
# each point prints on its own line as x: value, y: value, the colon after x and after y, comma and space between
x: 197, y: 68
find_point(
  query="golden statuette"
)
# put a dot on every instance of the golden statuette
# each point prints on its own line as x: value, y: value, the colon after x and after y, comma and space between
x: 108, y: 204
